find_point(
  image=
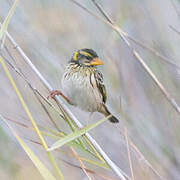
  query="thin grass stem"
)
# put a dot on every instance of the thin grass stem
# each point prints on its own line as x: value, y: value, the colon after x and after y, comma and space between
x: 121, y: 174
x: 129, y: 154
x: 53, y: 163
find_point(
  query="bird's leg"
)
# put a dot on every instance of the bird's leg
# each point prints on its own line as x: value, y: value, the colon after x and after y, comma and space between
x: 90, y: 114
x: 58, y: 93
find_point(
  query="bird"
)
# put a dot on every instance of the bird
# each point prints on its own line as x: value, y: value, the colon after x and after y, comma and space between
x: 83, y: 83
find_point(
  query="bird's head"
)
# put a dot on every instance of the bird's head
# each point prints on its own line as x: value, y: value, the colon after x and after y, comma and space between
x: 86, y: 57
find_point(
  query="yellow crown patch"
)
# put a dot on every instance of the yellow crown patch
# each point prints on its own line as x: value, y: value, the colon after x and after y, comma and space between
x: 75, y: 56
x: 85, y: 53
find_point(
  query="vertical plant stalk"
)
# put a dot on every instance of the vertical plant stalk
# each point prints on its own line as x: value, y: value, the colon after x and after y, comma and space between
x: 121, y: 174
x: 142, y: 158
x: 53, y: 163
x: 129, y: 153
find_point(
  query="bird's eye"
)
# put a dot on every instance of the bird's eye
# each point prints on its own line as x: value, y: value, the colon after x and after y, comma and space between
x: 85, y: 61
x: 89, y: 58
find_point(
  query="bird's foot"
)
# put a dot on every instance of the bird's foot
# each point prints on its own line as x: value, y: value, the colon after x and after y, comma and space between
x: 54, y: 93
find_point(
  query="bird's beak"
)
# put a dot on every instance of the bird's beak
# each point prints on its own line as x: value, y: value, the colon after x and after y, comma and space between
x: 96, y: 62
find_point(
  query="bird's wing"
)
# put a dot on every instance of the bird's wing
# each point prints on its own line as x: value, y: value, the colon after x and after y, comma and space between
x: 100, y: 84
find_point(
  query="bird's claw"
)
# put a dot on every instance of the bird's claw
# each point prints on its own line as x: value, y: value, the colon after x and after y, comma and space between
x: 54, y: 93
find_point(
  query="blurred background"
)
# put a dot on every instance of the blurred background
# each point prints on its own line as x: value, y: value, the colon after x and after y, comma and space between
x: 49, y: 32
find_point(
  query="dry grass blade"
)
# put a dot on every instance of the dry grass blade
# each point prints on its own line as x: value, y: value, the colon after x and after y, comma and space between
x: 113, y: 166
x: 153, y: 51
x: 89, y: 171
x: 174, y: 29
x: 175, y: 7
x: 146, y: 161
x: 67, y: 153
x: 71, y: 148
x: 35, y: 91
x: 142, y: 158
x: 110, y: 23
x: 37, y: 94
x: 135, y: 40
x: 64, y: 116
x: 139, y: 58
x: 80, y: 162
x: 53, y: 163
x: 45, y: 173
x: 75, y: 155
x: 129, y: 154
x: 55, y: 136
x: 124, y: 35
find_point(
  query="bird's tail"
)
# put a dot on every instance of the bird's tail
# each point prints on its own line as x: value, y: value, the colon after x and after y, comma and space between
x: 112, y: 118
